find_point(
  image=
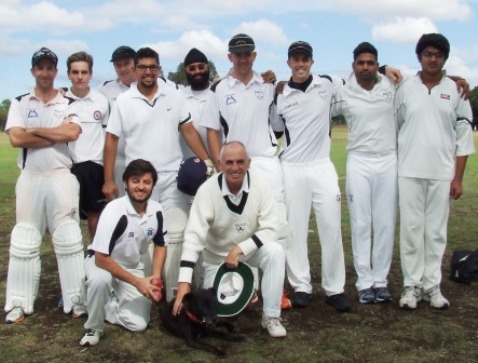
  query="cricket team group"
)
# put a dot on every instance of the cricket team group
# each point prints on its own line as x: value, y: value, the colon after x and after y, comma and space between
x: 111, y: 156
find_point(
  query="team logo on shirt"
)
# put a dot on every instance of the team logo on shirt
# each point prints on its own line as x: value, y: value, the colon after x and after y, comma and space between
x: 322, y: 94
x: 290, y: 105
x: 32, y: 113
x: 388, y: 96
x: 445, y: 97
x: 149, y: 232
x: 130, y: 234
x: 230, y: 99
x: 240, y: 227
x: 97, y: 115
x: 58, y: 113
x: 259, y: 95
x: 338, y: 198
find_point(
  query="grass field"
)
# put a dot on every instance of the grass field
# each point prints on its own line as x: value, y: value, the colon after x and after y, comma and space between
x: 370, y: 333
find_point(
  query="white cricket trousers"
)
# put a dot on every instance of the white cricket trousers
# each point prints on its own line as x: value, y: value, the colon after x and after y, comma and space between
x: 108, y: 298
x: 371, y: 187
x: 424, y: 208
x: 270, y: 259
x: 314, y: 184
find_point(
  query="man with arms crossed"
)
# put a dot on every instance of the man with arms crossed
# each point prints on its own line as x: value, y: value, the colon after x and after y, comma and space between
x: 434, y: 140
x: 46, y: 193
x: 236, y: 196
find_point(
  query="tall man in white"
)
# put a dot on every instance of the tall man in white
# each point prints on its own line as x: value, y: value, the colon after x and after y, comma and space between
x: 238, y: 109
x: 366, y: 102
x: 40, y: 124
x: 434, y: 140
x: 236, y: 196
x: 302, y: 112
x: 151, y: 119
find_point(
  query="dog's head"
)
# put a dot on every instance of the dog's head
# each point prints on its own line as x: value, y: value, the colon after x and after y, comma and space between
x: 202, y: 304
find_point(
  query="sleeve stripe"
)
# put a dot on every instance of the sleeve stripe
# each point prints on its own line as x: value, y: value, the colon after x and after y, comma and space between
x: 187, y: 264
x: 257, y: 241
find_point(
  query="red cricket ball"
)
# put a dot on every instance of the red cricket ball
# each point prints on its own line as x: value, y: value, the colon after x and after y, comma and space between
x: 157, y: 293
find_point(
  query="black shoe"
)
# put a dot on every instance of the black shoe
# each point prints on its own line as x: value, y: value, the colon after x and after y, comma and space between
x: 300, y: 299
x: 339, y: 302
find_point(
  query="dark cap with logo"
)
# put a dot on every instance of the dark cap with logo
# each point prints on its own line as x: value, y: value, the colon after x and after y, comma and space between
x: 123, y: 52
x: 300, y: 47
x: 44, y: 53
x: 192, y: 173
x: 241, y: 43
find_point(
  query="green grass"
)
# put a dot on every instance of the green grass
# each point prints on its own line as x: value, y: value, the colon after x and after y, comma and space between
x: 376, y: 333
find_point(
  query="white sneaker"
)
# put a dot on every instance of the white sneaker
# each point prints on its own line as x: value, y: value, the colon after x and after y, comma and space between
x: 15, y: 316
x: 79, y: 311
x: 436, y: 299
x: 274, y: 326
x: 91, y: 337
x: 410, y: 297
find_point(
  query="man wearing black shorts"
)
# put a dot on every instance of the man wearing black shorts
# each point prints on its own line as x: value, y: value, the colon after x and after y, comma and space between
x: 92, y: 109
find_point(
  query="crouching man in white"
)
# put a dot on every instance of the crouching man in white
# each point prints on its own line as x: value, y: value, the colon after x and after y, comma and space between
x: 233, y: 218
x: 116, y: 288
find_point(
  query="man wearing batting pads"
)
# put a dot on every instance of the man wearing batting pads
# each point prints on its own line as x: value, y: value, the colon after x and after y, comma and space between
x: 434, y: 140
x: 151, y: 117
x: 47, y: 193
x: 118, y: 288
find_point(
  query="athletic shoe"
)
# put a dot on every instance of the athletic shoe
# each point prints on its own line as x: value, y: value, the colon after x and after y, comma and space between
x: 274, y: 326
x: 436, y: 299
x: 79, y: 311
x: 91, y: 338
x: 285, y: 303
x: 410, y: 297
x: 382, y: 294
x: 15, y: 316
x: 367, y: 296
x: 300, y: 299
x: 339, y: 302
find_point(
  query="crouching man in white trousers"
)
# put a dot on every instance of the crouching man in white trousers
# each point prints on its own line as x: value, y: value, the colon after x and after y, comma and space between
x: 233, y: 218
x: 117, y: 289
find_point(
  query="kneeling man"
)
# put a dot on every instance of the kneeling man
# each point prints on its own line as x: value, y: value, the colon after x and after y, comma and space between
x: 235, y: 197
x: 116, y: 288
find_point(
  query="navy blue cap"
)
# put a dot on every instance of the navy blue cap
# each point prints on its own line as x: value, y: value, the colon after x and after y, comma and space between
x: 192, y: 173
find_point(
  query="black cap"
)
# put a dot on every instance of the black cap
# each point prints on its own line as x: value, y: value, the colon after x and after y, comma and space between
x: 300, y: 47
x: 192, y: 173
x: 44, y: 53
x: 122, y: 52
x: 194, y: 56
x: 241, y: 43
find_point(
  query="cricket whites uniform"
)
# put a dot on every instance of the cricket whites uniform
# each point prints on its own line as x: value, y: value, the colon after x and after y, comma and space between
x: 434, y: 127
x: 125, y: 236
x: 310, y: 178
x: 195, y: 102
x: 242, y: 113
x: 219, y: 221
x: 151, y: 132
x: 112, y: 89
x: 371, y: 182
x: 46, y: 197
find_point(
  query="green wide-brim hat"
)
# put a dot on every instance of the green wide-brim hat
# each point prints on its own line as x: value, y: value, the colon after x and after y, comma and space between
x: 234, y: 288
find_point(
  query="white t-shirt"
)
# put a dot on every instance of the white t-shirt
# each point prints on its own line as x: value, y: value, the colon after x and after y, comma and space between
x: 304, y: 117
x: 242, y: 113
x: 93, y: 111
x: 369, y: 116
x: 195, y: 102
x: 150, y: 128
x: 125, y: 235
x: 433, y: 128
x: 28, y: 111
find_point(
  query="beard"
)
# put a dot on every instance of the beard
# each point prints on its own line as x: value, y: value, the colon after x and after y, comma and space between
x: 199, y: 82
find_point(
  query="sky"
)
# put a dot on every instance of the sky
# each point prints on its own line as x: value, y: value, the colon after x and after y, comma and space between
x: 173, y: 27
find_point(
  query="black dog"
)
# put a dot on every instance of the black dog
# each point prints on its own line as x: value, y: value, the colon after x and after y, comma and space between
x: 198, y: 319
